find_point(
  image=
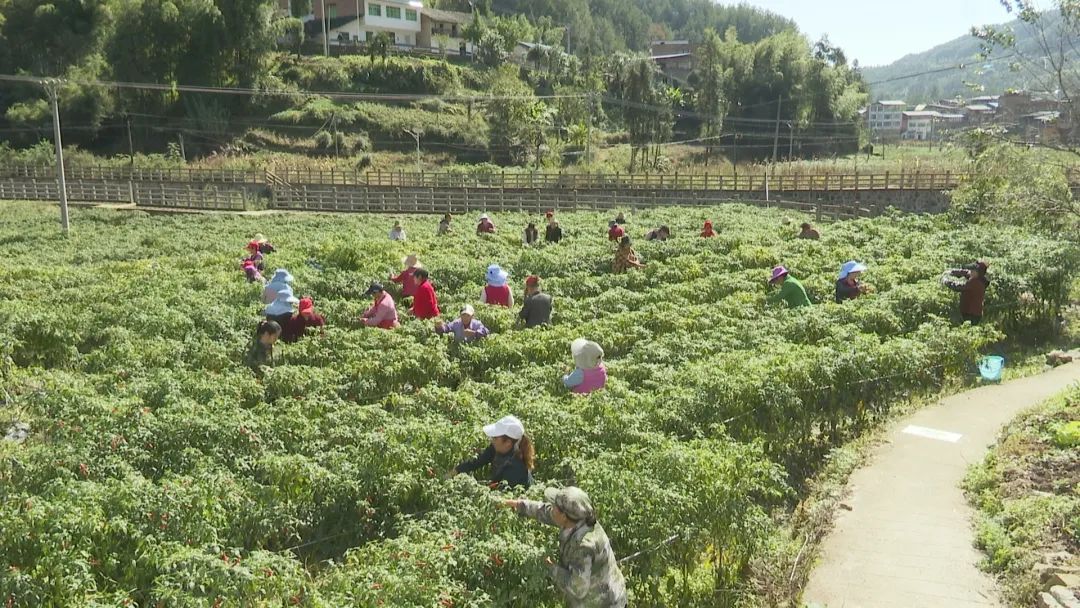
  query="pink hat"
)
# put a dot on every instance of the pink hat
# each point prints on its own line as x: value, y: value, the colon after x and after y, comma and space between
x: 778, y: 273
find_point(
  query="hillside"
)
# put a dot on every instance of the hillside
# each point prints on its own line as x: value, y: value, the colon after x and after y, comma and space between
x: 976, y: 78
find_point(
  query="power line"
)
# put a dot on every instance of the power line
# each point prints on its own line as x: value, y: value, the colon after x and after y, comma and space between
x: 147, y: 86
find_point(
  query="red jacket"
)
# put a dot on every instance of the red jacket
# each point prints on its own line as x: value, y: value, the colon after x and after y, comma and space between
x: 408, y: 285
x: 297, y: 326
x: 615, y: 233
x: 425, y: 304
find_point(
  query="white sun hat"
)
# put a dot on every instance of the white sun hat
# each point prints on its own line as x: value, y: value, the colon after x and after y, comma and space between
x: 850, y: 267
x: 508, y: 426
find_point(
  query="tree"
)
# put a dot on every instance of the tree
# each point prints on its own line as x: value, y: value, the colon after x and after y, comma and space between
x: 490, y: 51
x: 709, y: 100
x: 379, y: 47
x: 516, y: 121
x: 1015, y: 186
x: 299, y: 8
x: 1051, y: 59
x: 645, y: 107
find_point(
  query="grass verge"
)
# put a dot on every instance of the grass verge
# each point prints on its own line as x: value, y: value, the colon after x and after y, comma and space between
x: 1027, y: 493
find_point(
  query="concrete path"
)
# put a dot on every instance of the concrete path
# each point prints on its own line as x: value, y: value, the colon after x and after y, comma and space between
x: 907, y: 540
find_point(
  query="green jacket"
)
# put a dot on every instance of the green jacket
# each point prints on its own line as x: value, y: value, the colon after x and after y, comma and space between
x: 792, y: 292
x: 586, y: 572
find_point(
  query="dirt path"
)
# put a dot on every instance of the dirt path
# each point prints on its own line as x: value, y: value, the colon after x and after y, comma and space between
x: 907, y: 540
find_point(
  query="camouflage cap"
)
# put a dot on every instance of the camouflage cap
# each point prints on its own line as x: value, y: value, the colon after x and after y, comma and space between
x: 573, y: 502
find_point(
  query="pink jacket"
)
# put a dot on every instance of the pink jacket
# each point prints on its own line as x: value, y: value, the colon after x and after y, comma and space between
x: 586, y: 380
x: 382, y: 314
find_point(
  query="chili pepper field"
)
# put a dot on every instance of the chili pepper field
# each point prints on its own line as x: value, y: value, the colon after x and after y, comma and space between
x: 159, y: 471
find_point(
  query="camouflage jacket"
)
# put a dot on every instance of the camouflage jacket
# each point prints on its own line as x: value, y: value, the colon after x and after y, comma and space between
x: 586, y: 572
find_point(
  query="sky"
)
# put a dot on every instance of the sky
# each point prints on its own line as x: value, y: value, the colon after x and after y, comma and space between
x: 877, y: 32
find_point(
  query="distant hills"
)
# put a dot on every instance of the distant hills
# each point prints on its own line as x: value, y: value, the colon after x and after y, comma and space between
x: 976, y: 78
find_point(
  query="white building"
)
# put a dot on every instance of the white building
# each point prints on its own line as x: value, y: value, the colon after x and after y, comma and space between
x: 398, y: 18
x: 886, y: 117
x: 921, y: 126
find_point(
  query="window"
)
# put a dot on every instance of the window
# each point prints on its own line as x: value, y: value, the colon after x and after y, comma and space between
x: 370, y: 36
x: 331, y: 11
x: 393, y: 12
x: 374, y: 10
x: 393, y: 36
x: 410, y: 15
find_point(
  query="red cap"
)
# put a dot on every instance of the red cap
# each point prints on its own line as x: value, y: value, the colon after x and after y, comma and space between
x: 253, y: 245
x: 532, y: 281
x: 306, y: 305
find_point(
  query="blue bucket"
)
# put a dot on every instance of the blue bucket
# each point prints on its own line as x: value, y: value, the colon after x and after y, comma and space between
x: 990, y: 367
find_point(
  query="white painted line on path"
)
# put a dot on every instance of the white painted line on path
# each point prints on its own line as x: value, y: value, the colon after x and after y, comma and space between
x: 922, y: 431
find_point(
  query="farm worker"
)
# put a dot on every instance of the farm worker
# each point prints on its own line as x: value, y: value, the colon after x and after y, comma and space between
x: 808, y: 232
x: 536, y: 310
x: 466, y: 328
x: 497, y: 292
x: 444, y: 226
x: 408, y: 286
x: 383, y: 312
x: 281, y: 309
x: 626, y: 257
x: 553, y: 232
x: 589, y: 372
x: 620, y: 219
x: 658, y: 234
x: 262, y: 347
x: 254, y: 254
x: 264, y: 245
x: 972, y: 291
x: 425, y: 304
x: 848, y: 286
x: 510, y: 454
x: 615, y: 231
x: 707, y: 231
x: 305, y: 317
x: 586, y: 570
x: 278, y: 282
x: 486, y: 226
x: 397, y: 233
x: 662, y: 233
x: 791, y: 290
x: 531, y: 234
x: 251, y: 271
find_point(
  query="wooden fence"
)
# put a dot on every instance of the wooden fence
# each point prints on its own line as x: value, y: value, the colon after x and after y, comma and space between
x: 646, y: 181
x: 42, y: 172
x: 150, y: 194
x: 366, y: 199
x: 501, y: 180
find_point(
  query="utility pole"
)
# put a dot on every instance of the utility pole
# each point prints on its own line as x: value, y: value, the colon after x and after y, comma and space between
x: 52, y: 88
x: 588, y: 130
x: 931, y: 138
x: 183, y: 152
x: 131, y: 148
x: 791, y: 141
x: 325, y: 31
x: 333, y: 126
x: 776, y: 136
x: 416, y: 135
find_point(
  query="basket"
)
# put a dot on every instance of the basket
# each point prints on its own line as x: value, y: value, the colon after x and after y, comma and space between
x: 990, y: 367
